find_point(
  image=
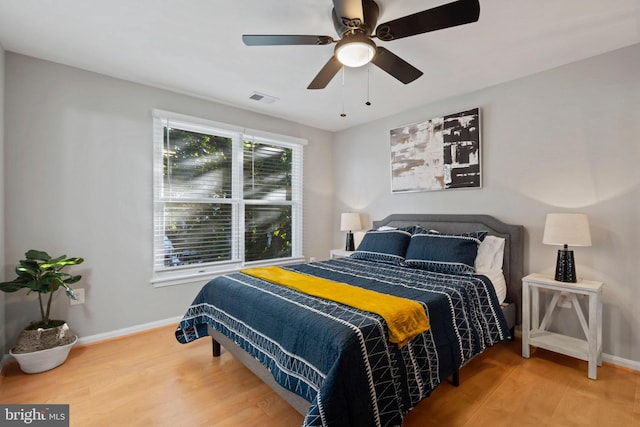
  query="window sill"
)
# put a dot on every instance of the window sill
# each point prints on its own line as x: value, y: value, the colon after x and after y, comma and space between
x: 165, y: 279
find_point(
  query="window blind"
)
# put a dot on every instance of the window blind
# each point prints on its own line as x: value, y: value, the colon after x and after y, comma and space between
x: 222, y: 196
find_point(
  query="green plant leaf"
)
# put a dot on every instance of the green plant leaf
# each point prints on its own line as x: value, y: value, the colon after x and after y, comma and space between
x: 37, y: 255
x: 55, y: 283
x: 55, y: 260
x: 70, y: 261
x: 10, y: 287
x: 72, y: 279
x: 34, y: 285
x: 28, y: 272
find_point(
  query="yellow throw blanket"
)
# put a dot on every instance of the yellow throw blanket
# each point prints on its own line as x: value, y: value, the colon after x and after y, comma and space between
x: 405, y: 318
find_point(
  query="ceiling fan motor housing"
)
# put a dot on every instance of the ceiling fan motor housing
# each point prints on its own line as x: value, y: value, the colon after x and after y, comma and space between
x: 345, y: 25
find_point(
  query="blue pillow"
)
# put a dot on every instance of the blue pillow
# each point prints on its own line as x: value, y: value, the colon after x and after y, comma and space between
x: 388, y: 246
x: 444, y: 253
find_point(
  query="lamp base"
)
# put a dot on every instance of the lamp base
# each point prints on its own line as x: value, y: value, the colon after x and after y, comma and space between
x: 350, y: 246
x: 565, y: 266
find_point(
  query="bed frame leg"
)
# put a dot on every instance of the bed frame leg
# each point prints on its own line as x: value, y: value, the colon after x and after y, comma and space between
x: 455, y: 378
x: 512, y: 331
x: 216, y: 347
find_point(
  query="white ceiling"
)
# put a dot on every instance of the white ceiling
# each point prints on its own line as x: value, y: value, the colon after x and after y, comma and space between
x: 195, y: 47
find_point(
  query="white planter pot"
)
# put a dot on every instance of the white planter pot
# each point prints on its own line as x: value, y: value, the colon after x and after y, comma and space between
x: 43, y: 360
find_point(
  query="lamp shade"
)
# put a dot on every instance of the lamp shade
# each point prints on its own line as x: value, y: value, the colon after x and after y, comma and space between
x: 350, y: 221
x: 566, y: 229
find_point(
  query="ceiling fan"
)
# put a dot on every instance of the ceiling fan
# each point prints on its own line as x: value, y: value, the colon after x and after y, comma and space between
x: 355, y: 21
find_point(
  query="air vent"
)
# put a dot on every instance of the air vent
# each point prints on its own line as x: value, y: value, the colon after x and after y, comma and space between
x: 261, y: 97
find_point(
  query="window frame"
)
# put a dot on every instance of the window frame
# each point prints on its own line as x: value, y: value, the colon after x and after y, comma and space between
x: 167, y: 276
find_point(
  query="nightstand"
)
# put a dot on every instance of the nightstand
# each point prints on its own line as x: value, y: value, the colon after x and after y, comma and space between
x: 339, y: 253
x: 535, y: 333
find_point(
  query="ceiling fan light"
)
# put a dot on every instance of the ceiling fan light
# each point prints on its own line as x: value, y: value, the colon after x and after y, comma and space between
x: 355, y: 53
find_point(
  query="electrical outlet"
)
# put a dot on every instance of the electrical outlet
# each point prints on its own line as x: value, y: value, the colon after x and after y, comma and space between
x: 80, y: 294
x: 312, y: 259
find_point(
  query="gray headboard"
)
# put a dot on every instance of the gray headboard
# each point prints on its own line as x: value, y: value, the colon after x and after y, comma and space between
x: 513, y: 266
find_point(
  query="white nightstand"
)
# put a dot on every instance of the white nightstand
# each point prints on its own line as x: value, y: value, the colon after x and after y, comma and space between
x: 535, y: 333
x: 339, y: 253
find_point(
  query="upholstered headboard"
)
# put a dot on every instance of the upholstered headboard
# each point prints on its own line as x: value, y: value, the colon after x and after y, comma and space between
x: 513, y: 264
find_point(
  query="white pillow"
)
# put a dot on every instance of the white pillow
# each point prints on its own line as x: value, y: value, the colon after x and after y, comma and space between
x: 498, y: 281
x: 490, y: 254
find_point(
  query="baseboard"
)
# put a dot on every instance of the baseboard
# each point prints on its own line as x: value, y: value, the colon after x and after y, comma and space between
x: 127, y: 331
x: 619, y: 361
x: 3, y: 361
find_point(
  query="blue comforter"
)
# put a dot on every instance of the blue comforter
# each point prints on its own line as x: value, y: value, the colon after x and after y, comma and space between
x: 339, y: 358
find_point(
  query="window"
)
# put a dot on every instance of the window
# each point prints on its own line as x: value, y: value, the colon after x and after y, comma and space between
x: 224, y: 197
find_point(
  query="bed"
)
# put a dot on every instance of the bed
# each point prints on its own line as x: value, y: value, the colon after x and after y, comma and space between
x: 334, y: 363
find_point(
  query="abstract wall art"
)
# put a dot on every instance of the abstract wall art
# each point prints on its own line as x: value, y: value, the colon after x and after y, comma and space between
x: 437, y: 154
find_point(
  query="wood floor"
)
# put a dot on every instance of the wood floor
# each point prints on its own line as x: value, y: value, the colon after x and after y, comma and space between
x: 148, y: 379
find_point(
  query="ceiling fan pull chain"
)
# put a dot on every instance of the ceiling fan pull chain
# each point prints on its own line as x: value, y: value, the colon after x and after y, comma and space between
x: 368, y: 103
x: 343, y: 114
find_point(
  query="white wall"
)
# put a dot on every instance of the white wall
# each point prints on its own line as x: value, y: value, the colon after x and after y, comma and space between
x: 2, y: 339
x: 562, y: 140
x: 79, y: 181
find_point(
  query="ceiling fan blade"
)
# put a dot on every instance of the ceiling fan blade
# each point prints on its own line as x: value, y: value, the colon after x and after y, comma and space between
x: 349, y: 9
x: 277, y: 40
x: 448, y: 15
x: 396, y: 66
x: 325, y: 75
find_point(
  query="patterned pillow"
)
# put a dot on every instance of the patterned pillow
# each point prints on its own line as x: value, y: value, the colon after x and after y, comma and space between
x: 386, y: 246
x: 444, y: 253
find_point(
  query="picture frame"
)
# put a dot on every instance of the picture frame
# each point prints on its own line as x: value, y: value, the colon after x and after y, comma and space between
x: 441, y: 153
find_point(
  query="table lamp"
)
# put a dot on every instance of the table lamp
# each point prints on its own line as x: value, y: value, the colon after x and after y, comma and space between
x: 566, y: 229
x: 350, y: 222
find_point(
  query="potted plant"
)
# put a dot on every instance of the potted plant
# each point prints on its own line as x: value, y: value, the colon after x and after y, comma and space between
x: 45, y: 343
